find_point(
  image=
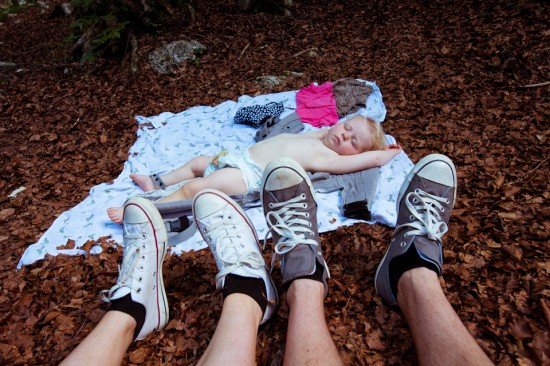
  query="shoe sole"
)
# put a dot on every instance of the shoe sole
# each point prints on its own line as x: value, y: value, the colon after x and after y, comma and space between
x: 161, y: 238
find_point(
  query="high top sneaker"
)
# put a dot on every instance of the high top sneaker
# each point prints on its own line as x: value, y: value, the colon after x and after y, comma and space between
x: 232, y: 239
x: 425, y: 202
x: 291, y: 214
x: 140, y: 274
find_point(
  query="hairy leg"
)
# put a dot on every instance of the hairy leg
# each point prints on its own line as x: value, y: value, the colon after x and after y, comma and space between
x: 439, y: 335
x: 234, y: 341
x: 307, y: 317
x: 107, y: 343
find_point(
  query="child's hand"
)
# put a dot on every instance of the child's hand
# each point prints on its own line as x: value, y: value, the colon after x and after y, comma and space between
x: 393, y: 146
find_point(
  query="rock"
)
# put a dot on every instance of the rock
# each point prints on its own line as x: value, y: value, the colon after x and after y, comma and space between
x: 246, y: 4
x: 164, y: 59
x: 270, y: 81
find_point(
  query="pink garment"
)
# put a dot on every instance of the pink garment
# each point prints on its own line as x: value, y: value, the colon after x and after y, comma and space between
x: 316, y: 105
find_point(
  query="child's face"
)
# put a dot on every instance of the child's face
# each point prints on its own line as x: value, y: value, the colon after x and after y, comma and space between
x: 350, y: 137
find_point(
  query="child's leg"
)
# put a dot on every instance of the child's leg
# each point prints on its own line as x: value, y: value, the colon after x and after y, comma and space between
x: 227, y: 180
x: 192, y: 169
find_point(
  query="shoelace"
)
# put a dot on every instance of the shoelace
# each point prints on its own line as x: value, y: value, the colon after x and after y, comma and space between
x: 426, y: 209
x: 290, y: 223
x: 229, y: 248
x: 126, y: 270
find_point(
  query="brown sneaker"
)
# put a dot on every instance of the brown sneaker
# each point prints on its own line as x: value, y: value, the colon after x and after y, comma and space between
x: 291, y: 215
x: 425, y: 202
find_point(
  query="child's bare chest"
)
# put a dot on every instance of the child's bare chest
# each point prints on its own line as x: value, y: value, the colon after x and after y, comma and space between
x: 294, y: 146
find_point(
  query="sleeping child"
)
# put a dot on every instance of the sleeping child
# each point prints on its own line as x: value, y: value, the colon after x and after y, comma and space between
x: 355, y: 144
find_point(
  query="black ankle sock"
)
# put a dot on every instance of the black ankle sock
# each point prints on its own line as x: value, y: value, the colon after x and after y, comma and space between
x: 253, y: 287
x: 399, y: 265
x: 316, y: 276
x: 132, y: 308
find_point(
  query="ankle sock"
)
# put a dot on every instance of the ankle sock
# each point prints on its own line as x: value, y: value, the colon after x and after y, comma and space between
x: 316, y: 276
x: 126, y: 305
x: 399, y: 265
x: 253, y: 287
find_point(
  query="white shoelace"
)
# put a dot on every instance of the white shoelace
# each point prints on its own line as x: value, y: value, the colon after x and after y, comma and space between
x: 290, y: 223
x: 426, y: 208
x: 229, y: 248
x: 126, y: 270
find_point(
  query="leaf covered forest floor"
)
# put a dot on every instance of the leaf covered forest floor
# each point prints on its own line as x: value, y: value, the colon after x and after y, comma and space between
x: 451, y: 73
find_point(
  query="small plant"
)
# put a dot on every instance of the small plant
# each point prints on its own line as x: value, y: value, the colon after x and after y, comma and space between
x: 13, y: 7
x: 106, y: 27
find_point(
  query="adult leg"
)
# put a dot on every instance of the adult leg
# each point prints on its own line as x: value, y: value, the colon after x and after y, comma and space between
x: 308, y: 339
x: 250, y: 297
x: 291, y: 214
x: 407, y: 275
x: 138, y: 300
x: 438, y: 333
x: 107, y: 343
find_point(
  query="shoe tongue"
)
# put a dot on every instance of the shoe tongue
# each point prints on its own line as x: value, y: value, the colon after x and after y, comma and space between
x: 429, y: 250
x: 120, y: 292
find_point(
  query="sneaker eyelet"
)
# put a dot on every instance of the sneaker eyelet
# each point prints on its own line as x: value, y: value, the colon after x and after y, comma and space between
x: 415, y: 200
x: 417, y: 190
x: 138, y: 290
x: 442, y: 210
x: 304, y: 205
x: 403, y: 244
x: 307, y: 215
x: 270, y: 205
x: 406, y: 235
x: 204, y: 230
x: 144, y: 236
x: 140, y: 279
x: 411, y: 217
x: 303, y: 196
x: 230, y: 217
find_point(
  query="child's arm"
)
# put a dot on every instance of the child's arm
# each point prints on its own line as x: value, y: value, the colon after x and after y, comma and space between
x: 341, y: 164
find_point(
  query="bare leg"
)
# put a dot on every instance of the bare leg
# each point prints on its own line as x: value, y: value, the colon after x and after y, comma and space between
x: 308, y: 339
x: 227, y: 180
x: 439, y: 335
x: 192, y: 169
x: 234, y: 341
x: 107, y: 343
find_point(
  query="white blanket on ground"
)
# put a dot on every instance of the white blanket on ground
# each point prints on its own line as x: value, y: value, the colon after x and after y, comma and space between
x: 166, y: 141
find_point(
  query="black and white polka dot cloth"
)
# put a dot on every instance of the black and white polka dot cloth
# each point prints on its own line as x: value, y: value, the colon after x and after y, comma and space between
x: 255, y: 115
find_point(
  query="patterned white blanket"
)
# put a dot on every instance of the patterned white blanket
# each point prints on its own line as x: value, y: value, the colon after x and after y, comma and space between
x: 168, y: 140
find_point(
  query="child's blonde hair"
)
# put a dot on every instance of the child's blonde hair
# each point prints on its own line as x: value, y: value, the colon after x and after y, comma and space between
x: 379, y: 137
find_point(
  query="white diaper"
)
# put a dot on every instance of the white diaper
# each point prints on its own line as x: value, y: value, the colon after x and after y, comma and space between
x: 252, y: 172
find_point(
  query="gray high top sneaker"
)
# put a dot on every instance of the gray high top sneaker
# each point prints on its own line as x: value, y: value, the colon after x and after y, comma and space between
x: 291, y: 214
x: 425, y: 202
x: 140, y: 274
x: 231, y: 236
